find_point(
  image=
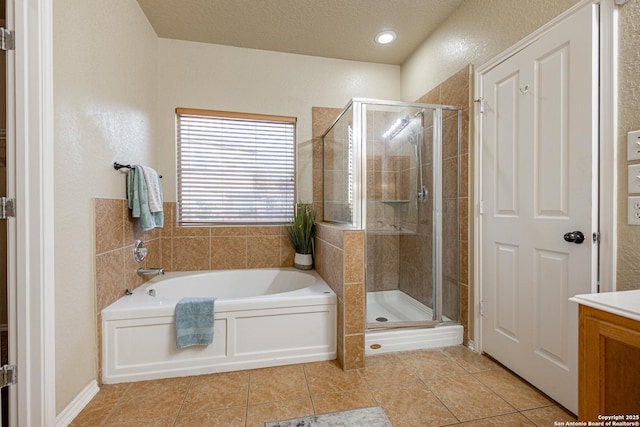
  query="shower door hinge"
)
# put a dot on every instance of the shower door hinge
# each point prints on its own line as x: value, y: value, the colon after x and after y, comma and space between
x: 481, y: 207
x: 481, y: 102
x: 481, y: 308
x: 7, y: 39
x: 7, y: 208
x: 8, y: 375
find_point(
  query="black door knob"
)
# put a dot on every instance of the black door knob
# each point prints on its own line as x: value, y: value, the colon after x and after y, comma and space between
x: 574, y: 237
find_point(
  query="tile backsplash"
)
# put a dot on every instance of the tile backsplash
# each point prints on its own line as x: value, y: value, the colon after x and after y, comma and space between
x: 176, y: 248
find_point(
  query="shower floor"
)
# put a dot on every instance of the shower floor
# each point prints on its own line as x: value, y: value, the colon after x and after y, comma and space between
x: 396, y: 306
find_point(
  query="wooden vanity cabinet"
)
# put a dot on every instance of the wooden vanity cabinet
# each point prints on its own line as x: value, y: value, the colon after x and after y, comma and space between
x: 609, y: 365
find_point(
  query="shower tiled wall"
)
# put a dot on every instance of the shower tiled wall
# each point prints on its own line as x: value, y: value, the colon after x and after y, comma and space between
x: 339, y: 259
x: 456, y: 91
x: 321, y: 120
x: 174, y: 249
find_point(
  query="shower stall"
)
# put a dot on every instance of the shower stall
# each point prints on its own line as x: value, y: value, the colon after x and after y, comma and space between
x: 391, y: 169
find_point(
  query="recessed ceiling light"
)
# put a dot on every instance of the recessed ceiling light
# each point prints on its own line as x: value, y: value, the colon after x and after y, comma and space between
x: 385, y: 37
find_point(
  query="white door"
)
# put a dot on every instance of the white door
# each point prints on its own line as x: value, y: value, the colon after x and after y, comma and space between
x: 539, y: 182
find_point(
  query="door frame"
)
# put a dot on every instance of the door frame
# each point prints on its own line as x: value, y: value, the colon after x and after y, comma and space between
x: 31, y: 281
x: 607, y: 151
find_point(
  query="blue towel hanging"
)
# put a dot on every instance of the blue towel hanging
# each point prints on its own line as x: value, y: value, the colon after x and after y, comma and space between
x: 194, y: 321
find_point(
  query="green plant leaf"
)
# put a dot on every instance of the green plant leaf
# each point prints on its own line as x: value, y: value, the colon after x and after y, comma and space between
x: 302, y: 228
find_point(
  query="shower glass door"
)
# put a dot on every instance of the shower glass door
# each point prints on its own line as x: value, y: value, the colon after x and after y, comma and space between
x: 410, y: 215
x: 391, y: 168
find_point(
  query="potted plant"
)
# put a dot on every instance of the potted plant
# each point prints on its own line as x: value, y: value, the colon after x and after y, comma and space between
x: 301, y: 232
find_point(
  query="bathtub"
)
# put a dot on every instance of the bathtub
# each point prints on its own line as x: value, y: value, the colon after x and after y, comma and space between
x: 263, y: 317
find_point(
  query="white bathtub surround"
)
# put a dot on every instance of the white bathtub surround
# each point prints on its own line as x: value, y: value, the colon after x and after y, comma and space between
x: 303, y: 261
x: 263, y: 317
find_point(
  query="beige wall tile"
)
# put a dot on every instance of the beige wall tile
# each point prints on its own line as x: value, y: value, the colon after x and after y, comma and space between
x: 109, y: 224
x: 464, y: 311
x: 464, y: 136
x: 450, y: 178
x: 317, y: 151
x: 354, y: 308
x: 272, y: 230
x: 331, y: 233
x: 354, y: 351
x: 263, y: 251
x: 340, y: 333
x: 322, y: 118
x: 464, y: 175
x: 191, y: 231
x: 455, y: 90
x: 169, y: 209
x: 329, y: 265
x: 229, y: 231
x: 166, y: 247
x: 464, y: 218
x: 228, y: 252
x: 450, y: 137
x: 191, y: 253
x: 287, y: 252
x: 110, y: 282
x: 353, y: 257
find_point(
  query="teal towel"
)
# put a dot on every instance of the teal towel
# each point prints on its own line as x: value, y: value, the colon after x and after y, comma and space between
x: 194, y: 321
x: 138, y: 197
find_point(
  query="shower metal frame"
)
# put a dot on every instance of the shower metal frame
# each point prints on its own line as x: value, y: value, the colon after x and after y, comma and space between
x: 359, y: 208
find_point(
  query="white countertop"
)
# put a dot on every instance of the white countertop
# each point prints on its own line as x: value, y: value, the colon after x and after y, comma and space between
x: 623, y: 303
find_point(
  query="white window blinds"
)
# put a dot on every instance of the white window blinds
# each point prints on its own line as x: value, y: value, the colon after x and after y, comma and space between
x: 234, y: 167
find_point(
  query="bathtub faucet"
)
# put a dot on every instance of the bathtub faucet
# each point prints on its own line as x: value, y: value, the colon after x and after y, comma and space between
x: 148, y: 271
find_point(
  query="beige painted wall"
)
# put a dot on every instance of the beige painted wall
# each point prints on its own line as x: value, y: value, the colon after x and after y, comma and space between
x: 113, y: 79
x: 476, y: 32
x: 104, y: 99
x: 198, y: 75
x: 628, y: 276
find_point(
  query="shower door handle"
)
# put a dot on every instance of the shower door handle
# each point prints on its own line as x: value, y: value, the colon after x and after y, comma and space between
x: 576, y: 237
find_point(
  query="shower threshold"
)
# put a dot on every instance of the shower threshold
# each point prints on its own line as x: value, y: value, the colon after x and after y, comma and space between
x: 395, y: 308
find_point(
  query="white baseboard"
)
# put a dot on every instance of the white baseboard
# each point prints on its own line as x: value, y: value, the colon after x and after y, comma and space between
x: 72, y: 410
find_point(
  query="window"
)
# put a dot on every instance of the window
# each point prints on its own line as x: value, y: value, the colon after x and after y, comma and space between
x: 234, y: 168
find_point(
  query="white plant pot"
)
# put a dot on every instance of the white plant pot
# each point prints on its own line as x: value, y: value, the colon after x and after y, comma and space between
x: 303, y: 261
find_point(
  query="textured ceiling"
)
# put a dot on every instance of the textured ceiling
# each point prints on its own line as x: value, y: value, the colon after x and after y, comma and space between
x: 342, y: 29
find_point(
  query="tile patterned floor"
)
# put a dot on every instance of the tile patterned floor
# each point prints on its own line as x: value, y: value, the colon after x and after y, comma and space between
x: 450, y: 386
